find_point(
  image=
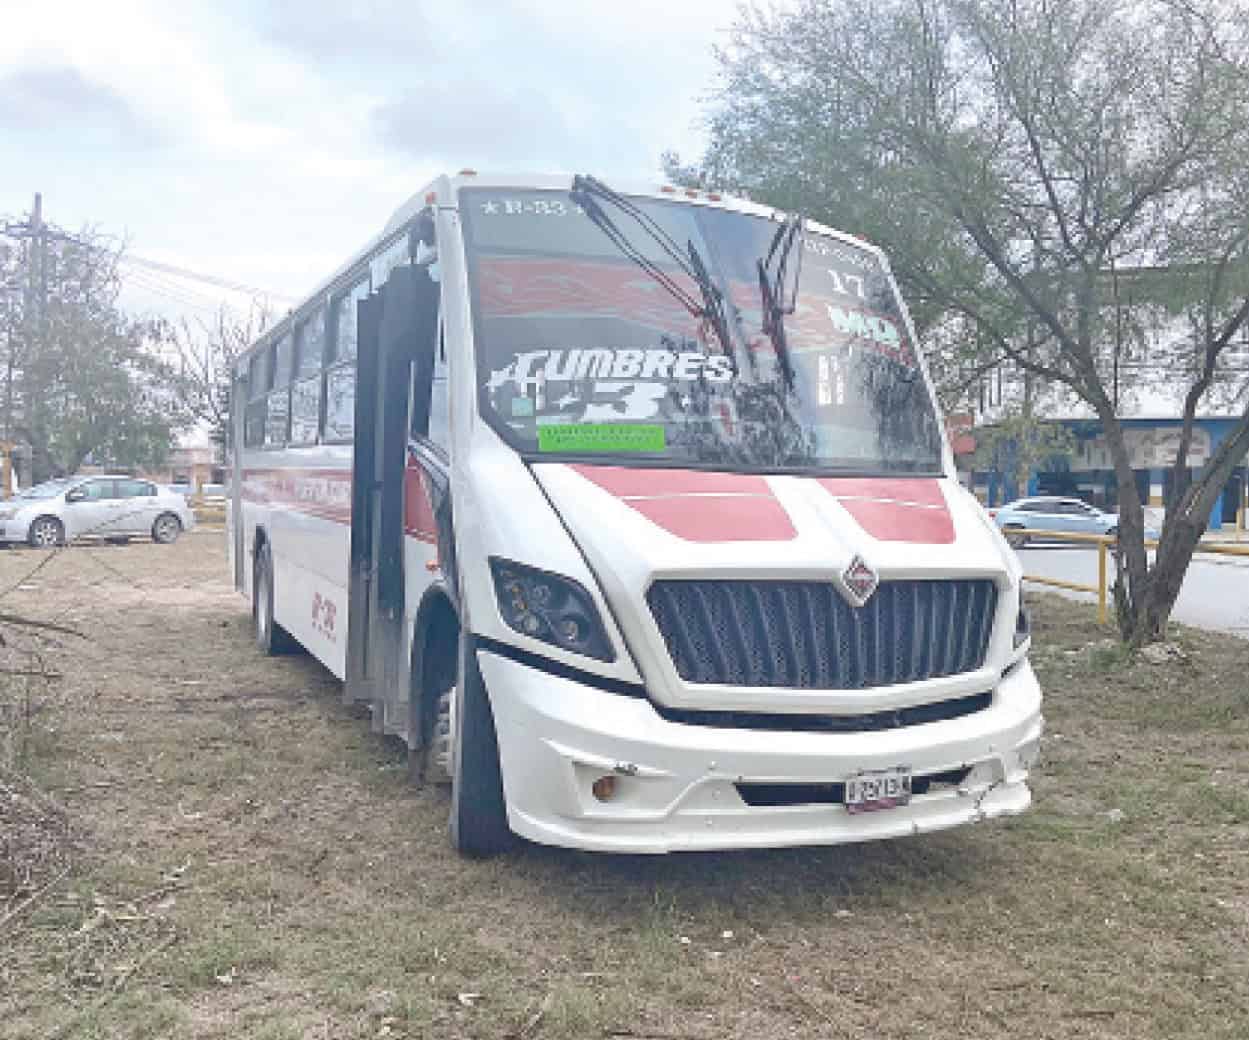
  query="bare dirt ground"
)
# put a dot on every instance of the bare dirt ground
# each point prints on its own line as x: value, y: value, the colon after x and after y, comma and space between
x: 245, y: 859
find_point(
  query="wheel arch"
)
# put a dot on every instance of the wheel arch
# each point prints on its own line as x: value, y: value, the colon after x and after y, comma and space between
x: 46, y: 516
x: 259, y: 537
x: 436, y: 619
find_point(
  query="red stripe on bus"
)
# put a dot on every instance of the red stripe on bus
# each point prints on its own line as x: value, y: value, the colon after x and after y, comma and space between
x: 698, y: 506
x: 418, y: 506
x: 714, y: 518
x: 911, y: 509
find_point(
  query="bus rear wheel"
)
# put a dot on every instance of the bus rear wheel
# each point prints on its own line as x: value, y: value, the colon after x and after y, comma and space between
x: 478, y: 810
x: 271, y: 637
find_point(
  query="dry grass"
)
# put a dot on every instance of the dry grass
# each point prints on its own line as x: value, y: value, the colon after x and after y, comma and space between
x: 256, y: 865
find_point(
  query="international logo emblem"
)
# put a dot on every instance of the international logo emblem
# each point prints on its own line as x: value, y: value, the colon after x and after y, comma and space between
x: 859, y: 581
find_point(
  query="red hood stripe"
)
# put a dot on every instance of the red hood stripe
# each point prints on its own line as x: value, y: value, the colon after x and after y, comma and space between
x: 910, y: 509
x: 698, y: 506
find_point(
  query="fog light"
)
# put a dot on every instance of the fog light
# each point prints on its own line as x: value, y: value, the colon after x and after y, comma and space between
x: 604, y: 788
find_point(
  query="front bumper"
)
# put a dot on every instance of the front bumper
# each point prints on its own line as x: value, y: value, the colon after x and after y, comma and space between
x: 13, y: 531
x: 676, y: 783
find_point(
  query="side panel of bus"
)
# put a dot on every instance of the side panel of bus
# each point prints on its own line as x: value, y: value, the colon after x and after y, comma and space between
x: 336, y: 473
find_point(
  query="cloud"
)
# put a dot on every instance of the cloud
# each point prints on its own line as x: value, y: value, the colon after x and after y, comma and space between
x: 389, y: 29
x: 287, y: 131
x: 59, y: 98
x: 473, y: 123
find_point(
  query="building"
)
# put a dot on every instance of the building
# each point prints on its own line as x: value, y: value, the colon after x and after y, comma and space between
x: 190, y: 463
x: 1145, y: 373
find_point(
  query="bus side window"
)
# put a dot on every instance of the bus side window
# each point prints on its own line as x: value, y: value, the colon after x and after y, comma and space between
x: 306, y: 390
x: 340, y: 402
x: 340, y: 374
x: 277, y: 422
x: 256, y: 411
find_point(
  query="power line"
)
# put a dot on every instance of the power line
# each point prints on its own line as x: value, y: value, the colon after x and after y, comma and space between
x: 182, y: 297
x: 208, y: 279
x: 171, y: 285
x: 34, y: 227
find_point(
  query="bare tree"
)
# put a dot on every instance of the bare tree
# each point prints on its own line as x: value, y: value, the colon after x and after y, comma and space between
x: 1012, y: 157
x: 207, y: 352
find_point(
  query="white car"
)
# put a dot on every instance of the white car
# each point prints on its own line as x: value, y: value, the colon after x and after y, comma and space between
x: 114, y: 507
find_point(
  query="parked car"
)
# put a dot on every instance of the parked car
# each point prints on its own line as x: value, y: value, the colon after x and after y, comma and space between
x: 1062, y: 515
x: 115, y: 507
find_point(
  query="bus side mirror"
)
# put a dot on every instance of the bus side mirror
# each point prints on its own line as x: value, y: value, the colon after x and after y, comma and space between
x: 424, y: 243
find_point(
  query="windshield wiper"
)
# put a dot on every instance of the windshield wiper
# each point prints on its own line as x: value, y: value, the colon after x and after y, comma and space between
x: 586, y: 193
x: 772, y: 291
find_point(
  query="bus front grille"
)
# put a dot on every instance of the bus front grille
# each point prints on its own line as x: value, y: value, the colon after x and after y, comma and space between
x: 804, y: 635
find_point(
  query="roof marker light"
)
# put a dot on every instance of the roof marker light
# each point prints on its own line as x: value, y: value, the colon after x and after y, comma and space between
x: 467, y: 172
x: 431, y: 197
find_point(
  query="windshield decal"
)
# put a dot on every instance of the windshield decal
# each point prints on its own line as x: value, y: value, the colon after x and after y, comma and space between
x: 590, y: 438
x: 599, y: 384
x: 533, y: 368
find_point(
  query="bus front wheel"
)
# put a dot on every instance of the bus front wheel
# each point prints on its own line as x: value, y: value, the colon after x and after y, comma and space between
x: 478, y: 811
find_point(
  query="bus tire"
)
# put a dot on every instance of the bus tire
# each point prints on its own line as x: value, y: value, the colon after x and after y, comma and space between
x: 271, y: 637
x: 478, y: 823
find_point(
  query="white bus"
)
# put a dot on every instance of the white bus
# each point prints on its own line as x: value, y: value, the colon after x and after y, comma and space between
x: 632, y: 515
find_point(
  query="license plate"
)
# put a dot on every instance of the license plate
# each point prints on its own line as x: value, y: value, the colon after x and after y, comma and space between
x: 878, y: 789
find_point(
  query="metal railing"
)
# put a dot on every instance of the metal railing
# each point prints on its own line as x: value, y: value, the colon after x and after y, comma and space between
x: 1103, y: 542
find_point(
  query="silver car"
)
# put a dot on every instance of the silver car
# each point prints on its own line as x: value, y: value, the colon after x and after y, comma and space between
x: 1063, y: 515
x: 110, y: 507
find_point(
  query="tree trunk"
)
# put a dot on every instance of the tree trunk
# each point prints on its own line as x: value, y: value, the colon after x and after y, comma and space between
x: 1185, y: 525
x: 1132, y: 581
x: 1175, y: 553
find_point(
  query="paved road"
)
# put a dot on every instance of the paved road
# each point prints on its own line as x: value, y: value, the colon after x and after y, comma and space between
x: 1215, y: 593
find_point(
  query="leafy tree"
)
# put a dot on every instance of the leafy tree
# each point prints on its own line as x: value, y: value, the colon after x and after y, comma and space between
x: 1018, y: 443
x: 82, y: 380
x: 1012, y: 158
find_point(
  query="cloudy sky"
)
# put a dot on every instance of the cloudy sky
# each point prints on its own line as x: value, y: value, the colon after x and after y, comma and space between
x: 262, y: 141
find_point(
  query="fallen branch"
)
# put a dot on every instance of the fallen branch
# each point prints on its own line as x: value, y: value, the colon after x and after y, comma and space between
x: 535, y: 1020
x: 119, y: 983
x: 18, y: 621
x: 33, y: 898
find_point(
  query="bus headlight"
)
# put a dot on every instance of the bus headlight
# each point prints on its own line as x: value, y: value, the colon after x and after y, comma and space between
x: 549, y: 607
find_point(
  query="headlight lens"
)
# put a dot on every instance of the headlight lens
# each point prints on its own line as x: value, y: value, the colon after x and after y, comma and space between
x: 549, y: 607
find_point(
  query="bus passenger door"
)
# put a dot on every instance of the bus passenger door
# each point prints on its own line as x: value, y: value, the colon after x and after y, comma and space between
x: 397, y: 330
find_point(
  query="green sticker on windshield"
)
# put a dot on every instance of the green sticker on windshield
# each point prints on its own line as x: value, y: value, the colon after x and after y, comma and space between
x: 588, y: 438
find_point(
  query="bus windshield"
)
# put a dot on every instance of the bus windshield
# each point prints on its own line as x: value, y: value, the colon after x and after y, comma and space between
x: 582, y: 352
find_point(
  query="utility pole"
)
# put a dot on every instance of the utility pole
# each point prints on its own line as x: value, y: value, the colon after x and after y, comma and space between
x: 39, y: 243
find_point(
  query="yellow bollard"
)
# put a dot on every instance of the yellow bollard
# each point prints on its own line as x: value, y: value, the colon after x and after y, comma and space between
x: 1101, y: 583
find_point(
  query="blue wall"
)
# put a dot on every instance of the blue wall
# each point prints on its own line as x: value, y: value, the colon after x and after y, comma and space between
x: 1001, y: 488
